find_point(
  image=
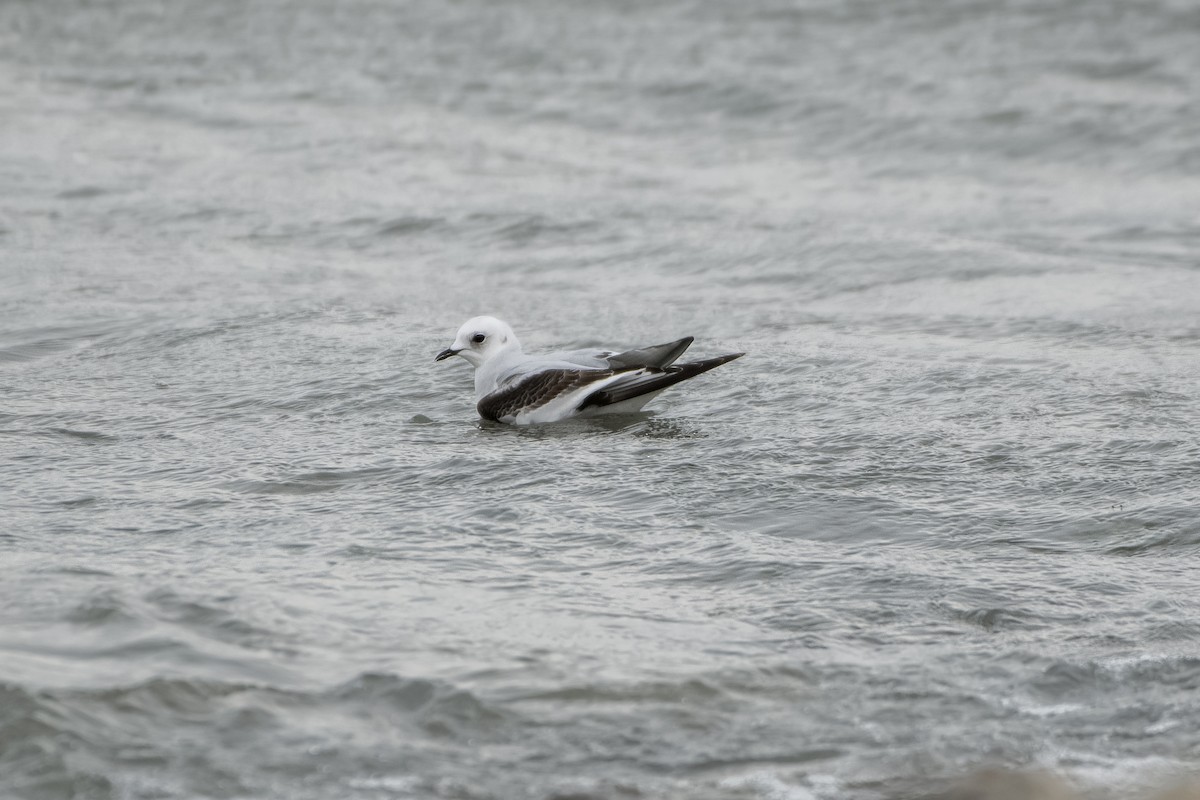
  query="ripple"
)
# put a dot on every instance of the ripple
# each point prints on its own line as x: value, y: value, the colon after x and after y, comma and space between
x: 256, y: 545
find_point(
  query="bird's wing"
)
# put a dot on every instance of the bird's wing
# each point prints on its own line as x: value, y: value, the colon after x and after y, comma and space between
x: 544, y: 391
x: 587, y: 358
x: 629, y: 385
x: 529, y: 394
x: 656, y: 355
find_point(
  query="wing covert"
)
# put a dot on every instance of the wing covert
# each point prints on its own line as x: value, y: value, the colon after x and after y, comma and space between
x: 534, y: 391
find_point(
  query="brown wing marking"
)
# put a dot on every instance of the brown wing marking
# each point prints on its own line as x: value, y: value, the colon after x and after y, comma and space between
x: 536, y: 390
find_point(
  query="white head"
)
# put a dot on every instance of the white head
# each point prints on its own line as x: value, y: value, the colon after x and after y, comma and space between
x: 481, y: 339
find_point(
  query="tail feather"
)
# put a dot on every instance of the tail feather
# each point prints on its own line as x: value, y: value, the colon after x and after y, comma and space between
x: 652, y: 380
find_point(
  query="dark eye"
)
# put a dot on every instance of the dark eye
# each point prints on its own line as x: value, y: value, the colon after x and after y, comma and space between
x: 478, y: 338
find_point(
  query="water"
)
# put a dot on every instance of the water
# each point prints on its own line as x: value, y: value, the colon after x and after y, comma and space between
x: 256, y: 543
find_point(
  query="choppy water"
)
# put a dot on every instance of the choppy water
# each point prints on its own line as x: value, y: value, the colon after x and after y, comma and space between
x: 256, y: 544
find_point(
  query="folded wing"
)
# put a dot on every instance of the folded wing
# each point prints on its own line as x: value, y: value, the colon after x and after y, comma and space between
x: 643, y: 381
x: 539, y: 391
x: 554, y: 394
x: 658, y: 355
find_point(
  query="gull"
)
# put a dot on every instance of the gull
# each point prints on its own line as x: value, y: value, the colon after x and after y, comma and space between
x: 520, y: 389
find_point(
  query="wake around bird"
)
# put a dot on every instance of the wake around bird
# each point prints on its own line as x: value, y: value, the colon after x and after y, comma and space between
x: 520, y: 389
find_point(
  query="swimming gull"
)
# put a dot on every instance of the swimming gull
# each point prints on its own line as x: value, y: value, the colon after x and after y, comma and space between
x: 521, y: 389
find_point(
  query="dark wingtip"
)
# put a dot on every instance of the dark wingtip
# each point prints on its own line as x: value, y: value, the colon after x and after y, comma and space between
x: 704, y: 365
x: 654, y: 380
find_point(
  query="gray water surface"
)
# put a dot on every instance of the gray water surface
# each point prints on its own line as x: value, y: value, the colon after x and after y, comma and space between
x: 257, y: 544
